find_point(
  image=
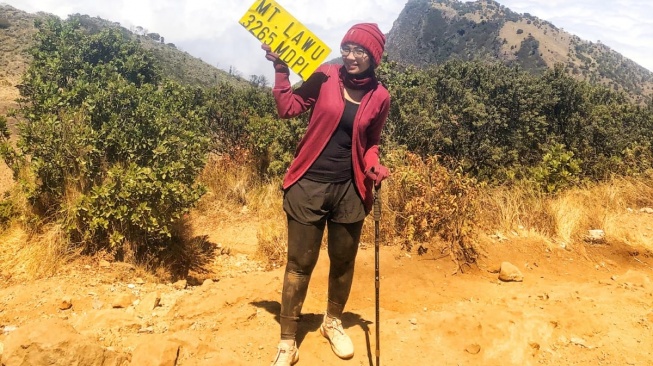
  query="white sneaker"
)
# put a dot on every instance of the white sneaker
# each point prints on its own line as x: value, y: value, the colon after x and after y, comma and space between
x: 287, y: 355
x: 341, y: 344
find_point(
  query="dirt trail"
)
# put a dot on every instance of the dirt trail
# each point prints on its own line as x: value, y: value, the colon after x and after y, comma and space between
x: 594, y: 309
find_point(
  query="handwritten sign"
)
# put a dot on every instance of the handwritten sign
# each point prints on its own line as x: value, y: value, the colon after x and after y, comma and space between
x: 296, y: 45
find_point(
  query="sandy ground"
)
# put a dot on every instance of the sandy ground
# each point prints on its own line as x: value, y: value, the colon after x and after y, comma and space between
x: 571, y: 309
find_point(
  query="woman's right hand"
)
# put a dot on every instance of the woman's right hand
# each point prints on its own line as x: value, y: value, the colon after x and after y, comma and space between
x: 278, y: 64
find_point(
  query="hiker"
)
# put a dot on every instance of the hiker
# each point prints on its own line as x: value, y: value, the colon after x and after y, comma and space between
x: 330, y: 181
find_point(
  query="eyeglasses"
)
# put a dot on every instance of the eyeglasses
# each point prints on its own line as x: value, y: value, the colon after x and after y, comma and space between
x: 357, y: 52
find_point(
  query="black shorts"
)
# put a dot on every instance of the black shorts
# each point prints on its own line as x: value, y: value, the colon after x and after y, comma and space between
x: 310, y: 202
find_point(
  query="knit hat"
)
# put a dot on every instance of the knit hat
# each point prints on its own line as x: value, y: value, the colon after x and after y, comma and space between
x: 369, y: 36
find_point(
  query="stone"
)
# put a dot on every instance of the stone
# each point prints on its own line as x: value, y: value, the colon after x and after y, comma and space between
x: 66, y: 303
x: 635, y: 278
x: 510, y: 273
x: 595, y: 236
x: 207, y: 283
x: 180, y: 285
x: 148, y: 303
x: 122, y: 301
x: 473, y: 348
x: 54, y: 342
x: 156, y: 353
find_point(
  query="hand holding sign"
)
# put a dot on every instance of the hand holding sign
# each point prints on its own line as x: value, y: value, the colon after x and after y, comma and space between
x: 288, y: 41
x: 274, y: 57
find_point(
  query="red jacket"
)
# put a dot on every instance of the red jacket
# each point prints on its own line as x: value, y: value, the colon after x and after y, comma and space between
x: 323, y: 92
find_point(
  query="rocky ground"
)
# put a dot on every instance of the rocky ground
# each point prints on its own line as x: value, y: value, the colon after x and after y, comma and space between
x: 594, y: 308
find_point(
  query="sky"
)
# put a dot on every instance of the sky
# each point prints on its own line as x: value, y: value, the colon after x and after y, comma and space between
x: 210, y: 29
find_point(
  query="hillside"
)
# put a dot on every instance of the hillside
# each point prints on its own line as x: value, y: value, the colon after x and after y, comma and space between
x: 434, y: 31
x: 17, y: 30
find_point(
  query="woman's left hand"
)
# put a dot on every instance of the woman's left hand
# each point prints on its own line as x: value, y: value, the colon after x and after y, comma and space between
x: 377, y: 173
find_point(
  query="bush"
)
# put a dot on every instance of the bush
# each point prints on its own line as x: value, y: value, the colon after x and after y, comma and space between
x: 4, y: 23
x: 273, y: 142
x: 430, y: 202
x: 114, y: 151
x: 557, y: 170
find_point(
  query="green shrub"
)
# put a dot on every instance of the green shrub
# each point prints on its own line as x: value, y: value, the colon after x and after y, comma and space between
x: 557, y: 170
x: 114, y: 151
x: 273, y: 142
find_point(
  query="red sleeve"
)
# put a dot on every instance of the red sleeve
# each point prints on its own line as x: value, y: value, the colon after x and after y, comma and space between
x: 293, y: 102
x: 371, y: 157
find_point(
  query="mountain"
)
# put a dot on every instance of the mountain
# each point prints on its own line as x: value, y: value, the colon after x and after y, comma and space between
x: 16, y: 32
x: 434, y: 31
x: 16, y: 37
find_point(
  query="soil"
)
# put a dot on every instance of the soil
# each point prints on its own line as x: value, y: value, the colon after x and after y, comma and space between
x: 574, y: 307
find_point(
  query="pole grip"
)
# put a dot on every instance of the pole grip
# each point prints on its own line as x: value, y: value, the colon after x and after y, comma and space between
x: 377, y: 204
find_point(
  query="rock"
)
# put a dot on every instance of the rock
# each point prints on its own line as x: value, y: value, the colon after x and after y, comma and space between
x: 510, y: 273
x: 580, y: 342
x: 149, y: 330
x: 635, y: 279
x: 148, y: 303
x: 595, y: 236
x: 139, y: 281
x: 413, y: 321
x: 156, y: 353
x: 54, y: 342
x: 66, y: 303
x: 122, y: 301
x: 499, y: 236
x: 647, y: 210
x: 104, y: 264
x: 207, y: 283
x: 473, y: 348
x: 180, y: 285
x: 494, y: 268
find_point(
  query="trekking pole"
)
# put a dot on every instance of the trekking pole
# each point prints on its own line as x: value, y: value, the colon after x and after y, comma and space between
x: 377, y: 285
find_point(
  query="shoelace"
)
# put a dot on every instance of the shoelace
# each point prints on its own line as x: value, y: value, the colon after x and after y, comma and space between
x: 282, y: 355
x: 336, y: 324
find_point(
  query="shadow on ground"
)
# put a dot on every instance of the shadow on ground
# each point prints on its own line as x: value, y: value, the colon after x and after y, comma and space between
x: 310, y: 322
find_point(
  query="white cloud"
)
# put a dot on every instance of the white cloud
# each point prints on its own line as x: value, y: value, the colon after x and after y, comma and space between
x: 210, y: 29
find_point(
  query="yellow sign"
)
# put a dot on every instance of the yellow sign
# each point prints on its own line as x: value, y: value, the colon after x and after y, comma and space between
x: 296, y: 45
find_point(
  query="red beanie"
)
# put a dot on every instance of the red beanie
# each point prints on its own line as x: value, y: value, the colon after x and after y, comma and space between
x: 369, y: 36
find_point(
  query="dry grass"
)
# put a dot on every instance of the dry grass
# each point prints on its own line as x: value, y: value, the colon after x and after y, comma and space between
x: 612, y: 206
x: 25, y: 256
x: 238, y: 198
x: 272, y: 235
x: 236, y: 195
x: 228, y: 180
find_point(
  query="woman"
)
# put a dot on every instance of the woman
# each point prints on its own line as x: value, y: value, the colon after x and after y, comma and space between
x: 329, y: 183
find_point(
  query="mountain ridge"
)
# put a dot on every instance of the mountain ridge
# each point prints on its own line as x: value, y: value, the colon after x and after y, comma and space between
x: 435, y: 31
x: 16, y: 37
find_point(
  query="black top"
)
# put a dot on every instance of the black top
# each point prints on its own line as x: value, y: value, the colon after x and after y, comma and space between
x: 334, y: 163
